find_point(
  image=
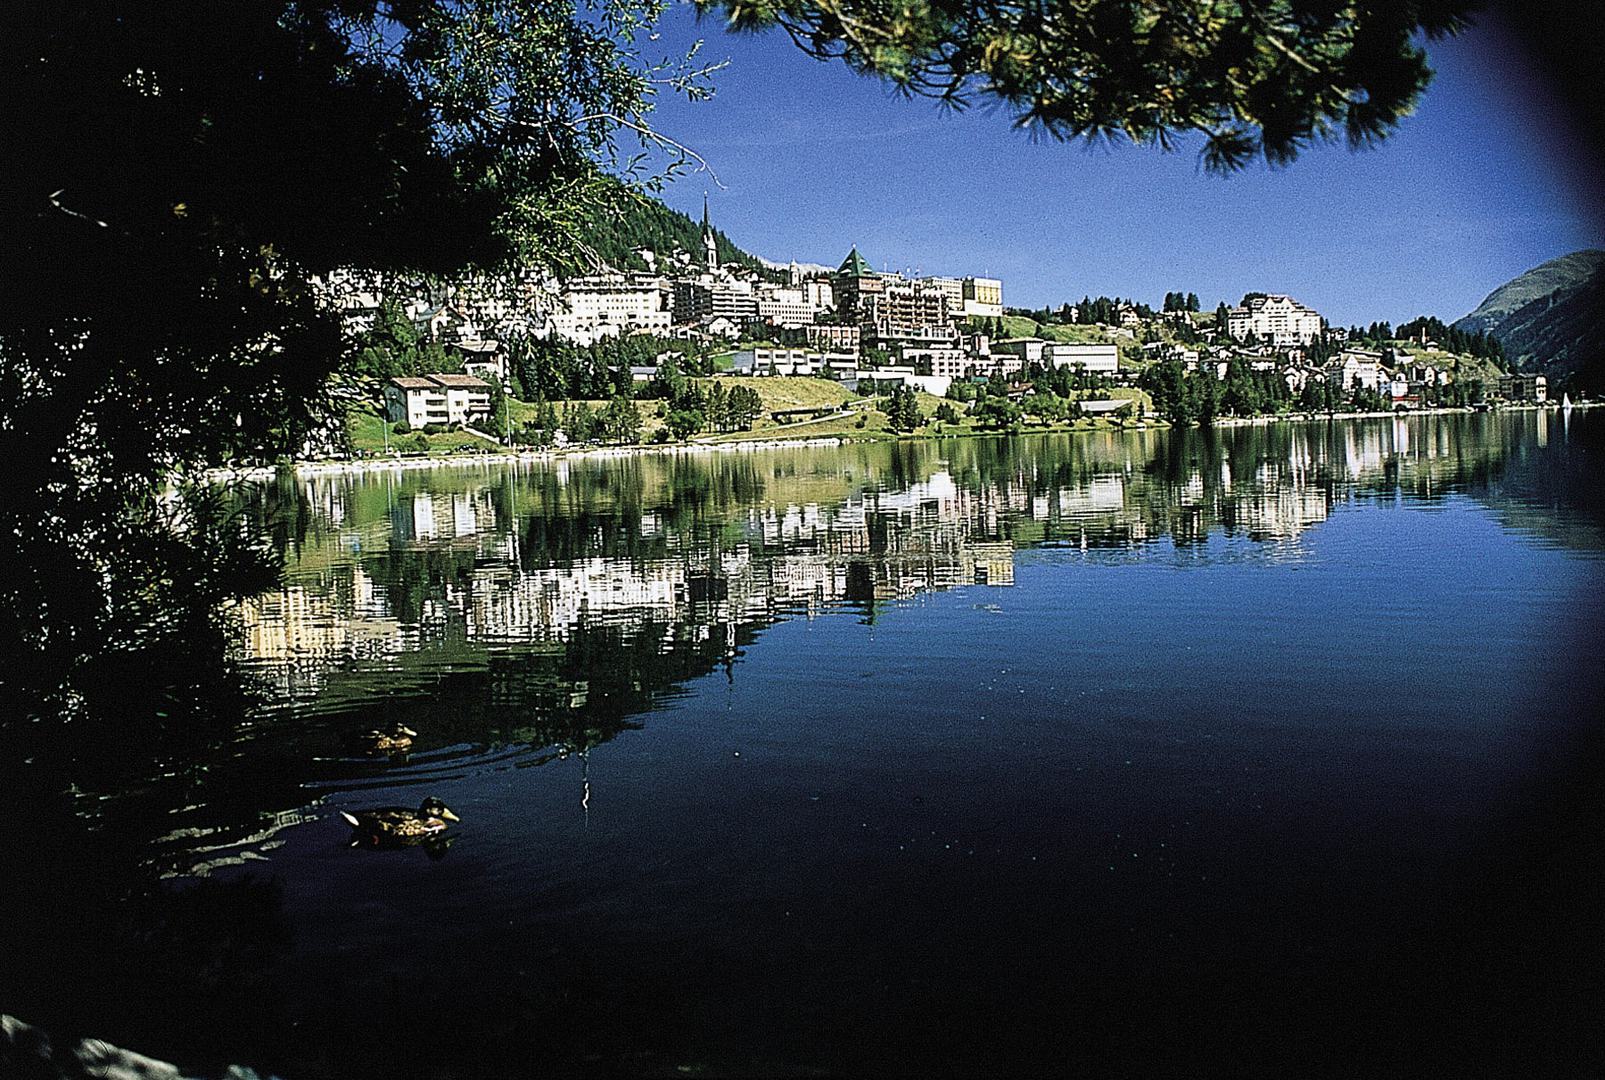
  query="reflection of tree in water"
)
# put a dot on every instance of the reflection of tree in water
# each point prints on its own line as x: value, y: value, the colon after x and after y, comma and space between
x: 93, y: 934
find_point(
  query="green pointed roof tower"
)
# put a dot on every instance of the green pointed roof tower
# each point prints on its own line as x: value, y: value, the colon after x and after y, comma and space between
x: 854, y: 265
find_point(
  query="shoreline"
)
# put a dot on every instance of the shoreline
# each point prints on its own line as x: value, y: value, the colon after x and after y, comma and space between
x: 225, y: 474
x: 505, y: 457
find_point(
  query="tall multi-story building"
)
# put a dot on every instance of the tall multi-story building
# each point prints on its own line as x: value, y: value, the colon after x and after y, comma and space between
x: 830, y: 338
x: 855, y: 286
x: 945, y: 362
x: 713, y: 297
x: 609, y: 305
x: 897, y: 309
x: 1524, y: 387
x: 1280, y: 320
x: 950, y: 287
x: 781, y: 306
x: 904, y: 307
x: 818, y: 293
x: 981, y: 298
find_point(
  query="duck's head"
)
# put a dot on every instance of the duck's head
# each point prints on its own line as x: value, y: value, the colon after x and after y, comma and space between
x: 399, y: 728
x: 434, y: 808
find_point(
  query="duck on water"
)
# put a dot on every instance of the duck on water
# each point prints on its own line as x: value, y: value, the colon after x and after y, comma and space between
x: 398, y: 824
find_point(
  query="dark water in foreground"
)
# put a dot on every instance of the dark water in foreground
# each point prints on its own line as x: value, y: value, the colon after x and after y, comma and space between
x: 1268, y: 752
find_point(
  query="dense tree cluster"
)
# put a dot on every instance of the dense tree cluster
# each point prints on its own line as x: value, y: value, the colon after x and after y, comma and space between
x: 1201, y: 395
x: 1479, y: 344
x: 393, y: 346
x: 617, y: 230
x: 694, y: 406
x: 555, y: 369
x: 903, y: 409
x: 1066, y: 380
x: 1106, y: 310
x: 1176, y: 301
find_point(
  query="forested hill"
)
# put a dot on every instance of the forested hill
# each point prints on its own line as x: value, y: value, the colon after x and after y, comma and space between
x: 1560, y: 275
x: 644, y: 222
x: 1551, y: 319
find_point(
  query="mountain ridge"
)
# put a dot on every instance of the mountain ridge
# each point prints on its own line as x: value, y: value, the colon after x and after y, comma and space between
x: 1551, y: 319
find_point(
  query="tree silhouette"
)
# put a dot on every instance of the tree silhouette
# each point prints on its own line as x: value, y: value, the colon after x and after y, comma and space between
x: 1264, y: 78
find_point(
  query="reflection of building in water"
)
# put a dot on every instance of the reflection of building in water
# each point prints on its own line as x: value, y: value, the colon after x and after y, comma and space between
x: 409, y: 567
x: 341, y: 613
x: 425, y: 516
x: 873, y: 546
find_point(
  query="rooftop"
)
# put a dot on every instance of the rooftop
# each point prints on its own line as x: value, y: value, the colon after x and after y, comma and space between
x: 437, y: 381
x: 461, y: 382
x: 855, y: 266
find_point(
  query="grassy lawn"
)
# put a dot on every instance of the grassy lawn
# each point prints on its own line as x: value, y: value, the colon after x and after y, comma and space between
x: 369, y: 433
x: 835, y: 427
x: 1019, y: 326
x: 1128, y: 393
x: 1076, y: 335
x: 791, y: 391
x: 524, y: 412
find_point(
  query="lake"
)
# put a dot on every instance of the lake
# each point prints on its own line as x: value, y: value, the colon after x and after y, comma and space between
x: 1266, y: 751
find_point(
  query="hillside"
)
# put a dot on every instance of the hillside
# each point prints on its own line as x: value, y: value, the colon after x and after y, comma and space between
x: 1557, y: 275
x: 1551, y: 319
x: 644, y: 222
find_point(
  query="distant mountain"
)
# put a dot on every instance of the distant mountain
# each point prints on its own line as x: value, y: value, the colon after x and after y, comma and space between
x: 815, y: 269
x: 1551, y: 319
x: 1557, y: 275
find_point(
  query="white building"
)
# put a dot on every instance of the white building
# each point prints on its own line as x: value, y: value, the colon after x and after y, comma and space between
x: 951, y: 363
x: 1103, y: 359
x: 818, y: 293
x: 950, y: 287
x: 788, y: 307
x: 486, y: 358
x: 969, y: 297
x: 982, y: 298
x: 888, y: 377
x: 1356, y: 364
x: 1281, y: 320
x: 715, y: 296
x: 1025, y: 350
x: 776, y: 362
x: 610, y: 305
x: 437, y: 399
x: 418, y: 401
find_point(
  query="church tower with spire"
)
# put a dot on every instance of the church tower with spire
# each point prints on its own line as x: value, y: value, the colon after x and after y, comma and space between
x: 710, y: 245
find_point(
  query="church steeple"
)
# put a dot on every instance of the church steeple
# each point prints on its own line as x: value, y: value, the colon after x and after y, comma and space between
x: 710, y: 244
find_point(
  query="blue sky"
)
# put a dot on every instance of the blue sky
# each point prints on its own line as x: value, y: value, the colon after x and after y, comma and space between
x: 1483, y: 182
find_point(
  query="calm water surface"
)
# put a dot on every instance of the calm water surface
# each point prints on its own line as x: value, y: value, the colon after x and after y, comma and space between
x: 1264, y: 752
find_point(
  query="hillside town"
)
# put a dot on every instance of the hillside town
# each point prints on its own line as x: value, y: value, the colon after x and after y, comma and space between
x: 882, y: 332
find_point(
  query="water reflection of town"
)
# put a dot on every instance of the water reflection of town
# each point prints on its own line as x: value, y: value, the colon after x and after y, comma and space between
x: 484, y: 579
x: 517, y: 616
x: 698, y: 550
